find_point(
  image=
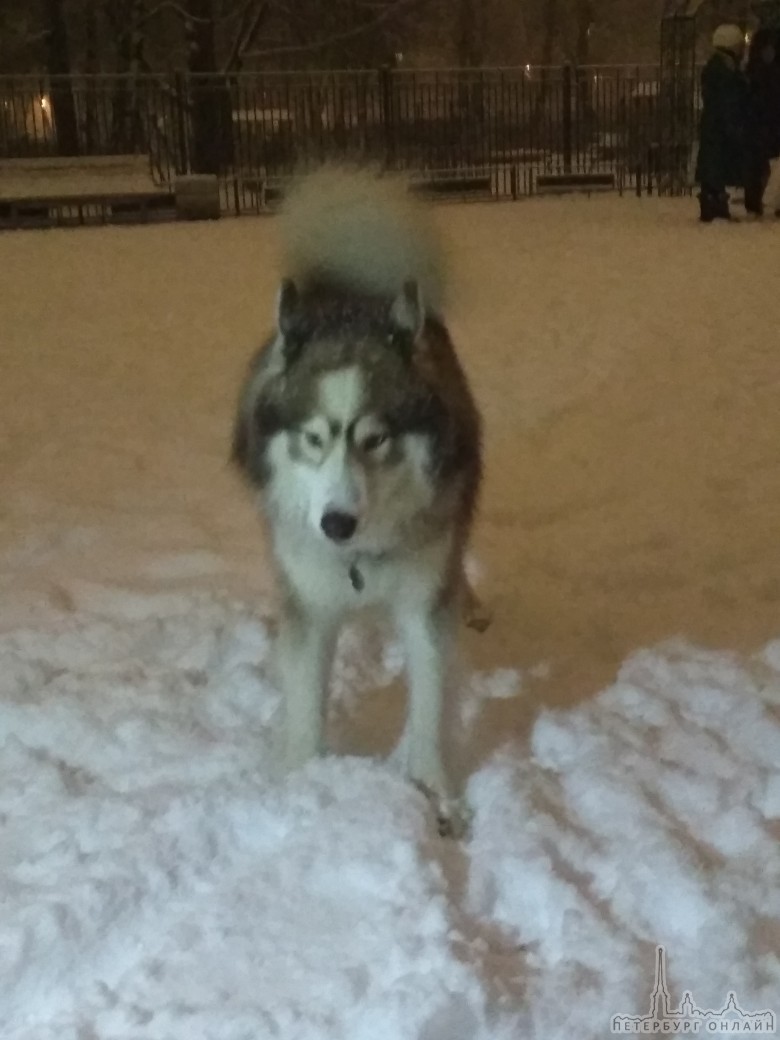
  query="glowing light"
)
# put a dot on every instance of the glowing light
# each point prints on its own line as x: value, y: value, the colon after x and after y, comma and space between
x: 45, y: 104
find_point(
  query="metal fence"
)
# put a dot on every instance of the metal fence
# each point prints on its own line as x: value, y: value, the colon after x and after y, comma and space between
x: 502, y: 126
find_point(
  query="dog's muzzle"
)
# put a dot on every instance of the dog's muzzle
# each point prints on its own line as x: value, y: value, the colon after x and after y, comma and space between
x: 337, y: 526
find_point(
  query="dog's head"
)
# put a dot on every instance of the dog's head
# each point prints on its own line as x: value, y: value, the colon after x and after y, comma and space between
x: 339, y: 424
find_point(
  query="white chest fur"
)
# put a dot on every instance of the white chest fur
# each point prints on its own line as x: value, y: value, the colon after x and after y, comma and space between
x: 333, y: 579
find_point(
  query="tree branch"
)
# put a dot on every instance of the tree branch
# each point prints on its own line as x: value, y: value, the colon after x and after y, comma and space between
x: 170, y: 5
x: 389, y: 11
x: 247, y: 31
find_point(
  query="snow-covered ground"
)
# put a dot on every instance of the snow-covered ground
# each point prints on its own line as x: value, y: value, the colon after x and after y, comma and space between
x: 621, y: 718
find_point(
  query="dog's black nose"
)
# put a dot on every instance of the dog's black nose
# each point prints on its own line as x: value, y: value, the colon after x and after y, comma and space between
x: 339, y: 527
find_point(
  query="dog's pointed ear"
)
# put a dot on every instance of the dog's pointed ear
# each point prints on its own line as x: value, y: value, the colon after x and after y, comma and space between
x: 407, y: 314
x: 289, y: 321
x: 287, y: 306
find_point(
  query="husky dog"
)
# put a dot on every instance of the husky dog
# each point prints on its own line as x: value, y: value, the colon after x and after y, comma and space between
x: 358, y: 429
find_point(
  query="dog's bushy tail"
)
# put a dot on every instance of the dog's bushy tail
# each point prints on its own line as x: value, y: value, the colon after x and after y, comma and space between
x: 361, y: 231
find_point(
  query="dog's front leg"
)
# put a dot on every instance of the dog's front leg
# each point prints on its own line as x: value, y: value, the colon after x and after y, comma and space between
x: 307, y: 642
x: 428, y: 639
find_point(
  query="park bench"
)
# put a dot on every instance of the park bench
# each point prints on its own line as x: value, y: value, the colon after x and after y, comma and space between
x: 454, y: 183
x: 24, y: 211
x: 266, y: 191
x: 269, y: 191
x: 563, y: 183
x: 67, y: 191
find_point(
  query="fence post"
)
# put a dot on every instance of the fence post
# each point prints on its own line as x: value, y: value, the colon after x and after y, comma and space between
x: 181, y: 103
x: 388, y: 114
x: 567, y: 128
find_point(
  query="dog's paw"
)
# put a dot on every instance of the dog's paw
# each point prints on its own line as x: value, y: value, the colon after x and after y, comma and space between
x: 453, y: 816
x: 479, y: 618
x: 475, y: 613
x: 453, y: 819
x: 398, y: 759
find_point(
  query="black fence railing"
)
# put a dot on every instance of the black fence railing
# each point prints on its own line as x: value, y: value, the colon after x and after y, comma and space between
x: 502, y: 127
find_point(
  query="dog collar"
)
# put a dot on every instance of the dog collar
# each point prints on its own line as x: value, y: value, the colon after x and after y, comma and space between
x: 357, y: 579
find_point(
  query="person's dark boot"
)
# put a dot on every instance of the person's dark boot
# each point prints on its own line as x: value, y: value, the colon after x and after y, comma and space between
x: 754, y: 209
x: 707, y: 207
x: 714, y: 205
x: 721, y: 203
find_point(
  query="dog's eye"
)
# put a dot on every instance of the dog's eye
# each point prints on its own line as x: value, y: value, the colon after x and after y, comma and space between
x: 312, y: 439
x: 374, y: 441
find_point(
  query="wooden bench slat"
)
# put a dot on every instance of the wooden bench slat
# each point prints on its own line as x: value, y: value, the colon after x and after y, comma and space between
x: 465, y: 185
x: 560, y: 183
x: 64, y: 210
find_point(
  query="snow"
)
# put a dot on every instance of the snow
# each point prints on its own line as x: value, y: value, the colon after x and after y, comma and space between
x: 620, y: 720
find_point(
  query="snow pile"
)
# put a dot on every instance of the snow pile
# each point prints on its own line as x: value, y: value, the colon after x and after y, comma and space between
x: 156, y: 876
x: 158, y: 879
x: 651, y: 816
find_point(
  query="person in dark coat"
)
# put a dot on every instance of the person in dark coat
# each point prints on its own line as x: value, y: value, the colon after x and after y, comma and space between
x: 721, y: 134
x: 762, y: 117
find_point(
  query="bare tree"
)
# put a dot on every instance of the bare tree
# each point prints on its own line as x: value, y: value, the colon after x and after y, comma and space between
x: 584, y: 16
x: 91, y: 67
x: 21, y: 35
x: 125, y: 20
x: 550, y: 31
x: 470, y: 36
x: 551, y: 28
x: 59, y: 66
x: 210, y: 104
